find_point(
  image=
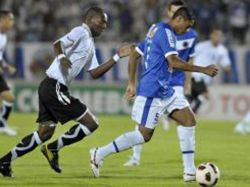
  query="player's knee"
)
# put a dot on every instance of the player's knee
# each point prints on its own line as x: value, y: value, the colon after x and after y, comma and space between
x: 45, y: 133
x: 146, y: 135
x: 147, y: 138
x: 10, y: 98
x: 191, y: 121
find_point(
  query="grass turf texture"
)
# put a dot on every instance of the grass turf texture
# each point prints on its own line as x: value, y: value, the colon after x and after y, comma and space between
x: 161, y: 163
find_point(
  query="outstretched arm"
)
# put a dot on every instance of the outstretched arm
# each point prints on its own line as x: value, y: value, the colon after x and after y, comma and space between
x: 123, y: 51
x: 176, y: 63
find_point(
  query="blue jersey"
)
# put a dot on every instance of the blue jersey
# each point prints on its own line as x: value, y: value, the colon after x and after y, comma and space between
x: 185, y: 44
x: 160, y: 42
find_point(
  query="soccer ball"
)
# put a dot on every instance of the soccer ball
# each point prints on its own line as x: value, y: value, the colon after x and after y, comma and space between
x: 207, y: 174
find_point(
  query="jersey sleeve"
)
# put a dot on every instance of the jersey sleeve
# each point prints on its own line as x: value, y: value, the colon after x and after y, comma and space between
x: 225, y: 60
x: 167, y: 41
x: 94, y: 63
x: 140, y: 48
x: 192, y: 49
x: 72, y: 37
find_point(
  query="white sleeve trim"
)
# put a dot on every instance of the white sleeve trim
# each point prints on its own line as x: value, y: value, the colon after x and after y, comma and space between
x: 192, y: 55
x: 139, y: 51
x: 171, y: 53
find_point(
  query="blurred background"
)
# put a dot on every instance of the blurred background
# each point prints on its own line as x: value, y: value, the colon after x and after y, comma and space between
x: 40, y: 22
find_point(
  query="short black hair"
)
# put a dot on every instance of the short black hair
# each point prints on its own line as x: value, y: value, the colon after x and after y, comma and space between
x: 4, y: 13
x: 185, y: 12
x: 177, y: 3
x: 92, y: 11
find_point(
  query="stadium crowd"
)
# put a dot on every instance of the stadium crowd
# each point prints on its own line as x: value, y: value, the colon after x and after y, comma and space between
x: 45, y: 20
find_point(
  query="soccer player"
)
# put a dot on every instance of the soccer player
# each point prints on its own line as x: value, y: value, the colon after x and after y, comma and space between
x: 154, y: 93
x: 75, y: 51
x: 208, y: 52
x: 6, y: 96
x: 243, y: 127
x: 179, y: 81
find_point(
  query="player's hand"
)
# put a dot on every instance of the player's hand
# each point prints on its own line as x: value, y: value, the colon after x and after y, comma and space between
x: 130, y: 92
x: 124, y: 50
x: 65, y: 65
x: 11, y: 70
x: 211, y: 70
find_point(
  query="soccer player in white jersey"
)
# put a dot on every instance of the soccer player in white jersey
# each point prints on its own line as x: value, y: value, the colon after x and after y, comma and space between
x: 75, y: 51
x: 154, y: 93
x: 6, y: 96
x: 208, y: 52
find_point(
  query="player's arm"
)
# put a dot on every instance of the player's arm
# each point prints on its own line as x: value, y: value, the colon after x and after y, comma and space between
x: 123, y: 51
x: 7, y: 67
x: 176, y: 63
x: 132, y: 67
x: 187, y: 84
x: 58, y: 48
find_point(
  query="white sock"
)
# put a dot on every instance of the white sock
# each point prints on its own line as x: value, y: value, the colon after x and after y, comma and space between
x: 121, y: 143
x: 187, y: 144
x: 137, y: 152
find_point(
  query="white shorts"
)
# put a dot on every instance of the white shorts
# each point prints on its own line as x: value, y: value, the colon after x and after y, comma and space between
x: 147, y: 110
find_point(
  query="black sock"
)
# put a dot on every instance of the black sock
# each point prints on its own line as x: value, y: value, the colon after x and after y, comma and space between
x: 26, y: 145
x: 75, y: 134
x: 6, y: 110
x: 196, y: 105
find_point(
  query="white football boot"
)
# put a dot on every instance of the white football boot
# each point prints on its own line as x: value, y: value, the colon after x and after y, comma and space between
x: 132, y: 162
x: 95, y: 162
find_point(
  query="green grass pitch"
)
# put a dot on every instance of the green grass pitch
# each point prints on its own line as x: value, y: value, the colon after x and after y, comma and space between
x: 161, y: 159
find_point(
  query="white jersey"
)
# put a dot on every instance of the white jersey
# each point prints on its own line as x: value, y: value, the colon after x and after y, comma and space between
x: 79, y: 48
x: 206, y: 54
x: 3, y: 43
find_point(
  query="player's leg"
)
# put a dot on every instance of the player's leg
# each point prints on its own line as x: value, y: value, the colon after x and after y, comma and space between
x: 7, y: 99
x: 186, y: 135
x: 146, y: 112
x: 86, y: 124
x: 135, y: 158
x: 67, y: 108
x: 199, y: 93
x: 243, y: 127
x: 26, y: 145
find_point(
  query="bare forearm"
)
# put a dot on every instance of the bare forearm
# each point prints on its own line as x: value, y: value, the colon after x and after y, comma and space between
x: 132, y: 67
x: 187, y: 85
x: 177, y: 63
x: 58, y: 47
x: 102, y: 69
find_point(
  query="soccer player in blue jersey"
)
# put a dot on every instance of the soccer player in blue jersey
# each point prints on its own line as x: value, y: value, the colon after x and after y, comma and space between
x: 154, y: 93
x: 180, y: 81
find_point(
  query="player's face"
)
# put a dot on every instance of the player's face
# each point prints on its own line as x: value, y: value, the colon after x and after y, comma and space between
x: 8, y: 21
x: 98, y: 24
x: 216, y: 37
x: 182, y: 25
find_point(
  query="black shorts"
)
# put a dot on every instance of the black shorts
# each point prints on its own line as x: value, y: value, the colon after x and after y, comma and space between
x: 198, y: 88
x: 3, y: 84
x: 56, y: 104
